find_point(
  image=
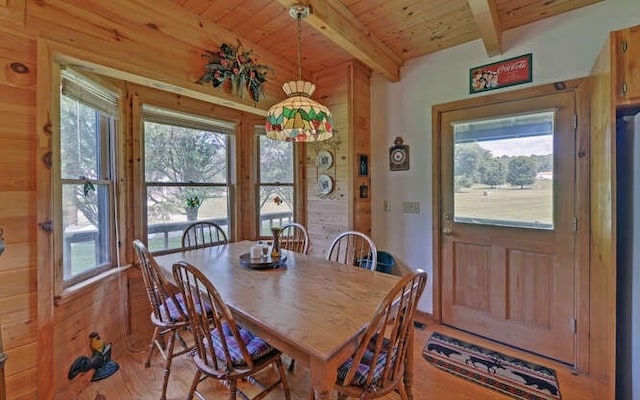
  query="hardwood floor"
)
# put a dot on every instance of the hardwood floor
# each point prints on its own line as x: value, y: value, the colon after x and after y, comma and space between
x: 133, y: 381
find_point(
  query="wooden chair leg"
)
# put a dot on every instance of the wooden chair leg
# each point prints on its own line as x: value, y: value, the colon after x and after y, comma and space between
x: 233, y: 389
x: 152, y: 345
x: 167, y: 364
x: 194, y: 384
x: 283, y: 379
x: 402, y: 392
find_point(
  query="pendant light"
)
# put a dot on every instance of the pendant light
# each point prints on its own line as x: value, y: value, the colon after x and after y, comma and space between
x: 298, y: 118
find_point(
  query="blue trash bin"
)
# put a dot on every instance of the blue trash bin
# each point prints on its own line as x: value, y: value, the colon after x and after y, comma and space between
x: 385, y: 262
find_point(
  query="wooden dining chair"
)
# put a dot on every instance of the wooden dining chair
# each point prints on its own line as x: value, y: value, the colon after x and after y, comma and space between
x: 223, y: 349
x: 168, y: 312
x: 353, y: 248
x: 203, y: 234
x: 384, y: 352
x: 293, y: 236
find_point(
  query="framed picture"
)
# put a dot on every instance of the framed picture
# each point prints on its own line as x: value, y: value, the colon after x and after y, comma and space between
x: 364, y: 191
x: 363, y: 165
x: 513, y: 71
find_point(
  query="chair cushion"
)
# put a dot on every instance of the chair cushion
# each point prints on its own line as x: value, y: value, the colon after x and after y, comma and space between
x: 174, y: 312
x: 256, y: 347
x: 174, y: 309
x: 360, y: 377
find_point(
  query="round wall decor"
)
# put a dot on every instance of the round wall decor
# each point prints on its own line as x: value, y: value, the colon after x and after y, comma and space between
x: 325, y: 184
x: 398, y: 156
x: 324, y: 159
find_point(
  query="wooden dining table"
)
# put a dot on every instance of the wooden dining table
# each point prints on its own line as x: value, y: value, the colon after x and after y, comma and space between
x: 310, y: 308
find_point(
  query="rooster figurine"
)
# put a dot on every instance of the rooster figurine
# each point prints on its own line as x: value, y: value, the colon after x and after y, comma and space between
x: 100, y: 360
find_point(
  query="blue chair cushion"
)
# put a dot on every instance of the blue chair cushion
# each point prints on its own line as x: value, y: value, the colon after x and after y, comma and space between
x: 256, y: 347
x: 363, y: 368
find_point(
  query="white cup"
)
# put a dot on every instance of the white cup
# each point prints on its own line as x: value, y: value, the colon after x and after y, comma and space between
x: 256, y: 251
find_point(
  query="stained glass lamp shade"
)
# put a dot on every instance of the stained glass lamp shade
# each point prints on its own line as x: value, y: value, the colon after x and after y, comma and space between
x: 299, y: 118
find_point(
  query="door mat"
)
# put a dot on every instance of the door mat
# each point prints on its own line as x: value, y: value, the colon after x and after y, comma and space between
x: 512, y: 376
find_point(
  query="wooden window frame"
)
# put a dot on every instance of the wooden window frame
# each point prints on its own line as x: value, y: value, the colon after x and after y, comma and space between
x: 259, y: 184
x: 192, y: 120
x: 110, y: 140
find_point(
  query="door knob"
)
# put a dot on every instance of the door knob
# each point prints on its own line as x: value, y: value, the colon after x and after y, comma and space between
x: 447, y: 231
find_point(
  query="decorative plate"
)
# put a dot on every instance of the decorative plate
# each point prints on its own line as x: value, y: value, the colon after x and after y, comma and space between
x: 325, y: 184
x: 324, y: 159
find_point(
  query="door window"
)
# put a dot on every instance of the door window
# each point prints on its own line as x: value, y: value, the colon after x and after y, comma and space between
x: 503, y: 171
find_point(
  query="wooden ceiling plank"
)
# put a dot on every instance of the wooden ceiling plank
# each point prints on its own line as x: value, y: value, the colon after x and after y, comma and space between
x: 434, y: 35
x: 411, y: 12
x: 337, y: 23
x: 485, y: 14
x: 257, y: 25
x: 409, y: 27
x: 243, y: 13
x: 218, y: 9
x: 197, y: 6
x: 515, y: 13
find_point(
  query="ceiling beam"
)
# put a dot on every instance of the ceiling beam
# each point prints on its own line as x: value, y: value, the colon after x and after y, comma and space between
x: 485, y: 14
x: 334, y: 20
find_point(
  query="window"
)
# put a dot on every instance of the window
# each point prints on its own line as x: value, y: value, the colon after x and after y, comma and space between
x: 186, y: 173
x: 276, y: 177
x: 84, y: 171
x: 503, y: 171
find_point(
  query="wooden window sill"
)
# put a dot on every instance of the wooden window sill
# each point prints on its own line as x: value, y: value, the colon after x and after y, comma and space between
x: 79, y: 288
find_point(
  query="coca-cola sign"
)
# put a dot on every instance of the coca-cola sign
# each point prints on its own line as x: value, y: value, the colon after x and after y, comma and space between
x: 513, y: 71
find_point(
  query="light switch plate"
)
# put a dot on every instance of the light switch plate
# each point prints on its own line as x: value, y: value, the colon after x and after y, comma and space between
x: 411, y: 207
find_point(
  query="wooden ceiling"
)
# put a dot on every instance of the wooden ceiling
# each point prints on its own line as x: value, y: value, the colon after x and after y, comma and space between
x: 382, y: 34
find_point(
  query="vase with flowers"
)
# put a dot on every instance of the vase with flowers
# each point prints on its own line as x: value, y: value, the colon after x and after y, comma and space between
x: 237, y: 65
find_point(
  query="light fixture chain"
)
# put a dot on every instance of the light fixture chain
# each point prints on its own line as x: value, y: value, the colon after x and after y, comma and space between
x: 299, y: 40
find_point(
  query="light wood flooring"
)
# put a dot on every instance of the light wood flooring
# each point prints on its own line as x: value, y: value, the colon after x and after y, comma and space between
x: 133, y: 381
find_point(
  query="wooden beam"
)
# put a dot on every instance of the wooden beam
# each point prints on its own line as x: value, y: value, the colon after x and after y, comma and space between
x: 334, y: 20
x: 485, y: 14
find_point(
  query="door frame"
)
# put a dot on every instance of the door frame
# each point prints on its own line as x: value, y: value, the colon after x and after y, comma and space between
x: 582, y: 269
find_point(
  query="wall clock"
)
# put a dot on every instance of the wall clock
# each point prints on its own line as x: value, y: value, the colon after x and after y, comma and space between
x: 398, y: 155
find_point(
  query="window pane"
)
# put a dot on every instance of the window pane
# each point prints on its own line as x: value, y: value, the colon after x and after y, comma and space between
x: 182, y: 155
x: 503, y: 171
x: 276, y: 207
x: 170, y: 209
x: 86, y: 228
x: 276, y: 161
x: 79, y: 140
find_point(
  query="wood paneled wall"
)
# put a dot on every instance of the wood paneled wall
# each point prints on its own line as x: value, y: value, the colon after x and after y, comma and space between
x: 150, y: 43
x: 345, y: 90
x: 360, y: 122
x: 18, y: 316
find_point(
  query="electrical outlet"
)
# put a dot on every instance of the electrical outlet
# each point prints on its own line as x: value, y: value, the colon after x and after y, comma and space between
x: 411, y: 207
x: 387, y: 205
